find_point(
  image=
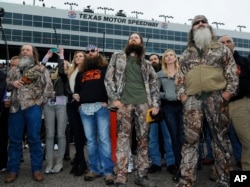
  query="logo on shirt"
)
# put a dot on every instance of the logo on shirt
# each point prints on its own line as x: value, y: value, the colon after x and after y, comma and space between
x: 91, y: 75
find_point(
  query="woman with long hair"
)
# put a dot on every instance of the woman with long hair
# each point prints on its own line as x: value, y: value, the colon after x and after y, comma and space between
x: 79, y: 162
x: 171, y: 107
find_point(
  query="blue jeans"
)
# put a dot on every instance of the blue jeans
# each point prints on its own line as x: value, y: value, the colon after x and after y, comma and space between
x: 97, y: 132
x: 173, y: 115
x: 154, y: 150
x: 235, y: 143
x: 32, y: 118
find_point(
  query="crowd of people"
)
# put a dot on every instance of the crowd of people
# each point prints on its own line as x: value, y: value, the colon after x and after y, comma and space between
x: 203, y: 93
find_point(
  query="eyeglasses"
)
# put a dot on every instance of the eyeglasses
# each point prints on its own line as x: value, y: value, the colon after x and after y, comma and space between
x: 92, y: 51
x: 199, y: 21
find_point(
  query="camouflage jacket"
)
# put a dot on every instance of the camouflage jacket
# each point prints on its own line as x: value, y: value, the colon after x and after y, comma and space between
x: 115, y: 76
x: 36, y: 90
x: 217, y: 55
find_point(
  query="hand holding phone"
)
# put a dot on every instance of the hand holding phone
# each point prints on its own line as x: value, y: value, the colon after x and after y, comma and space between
x: 54, y: 50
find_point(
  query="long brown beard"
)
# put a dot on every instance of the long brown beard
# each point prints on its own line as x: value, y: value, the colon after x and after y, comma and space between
x: 157, y: 67
x: 202, y: 37
x: 135, y: 48
x: 92, y: 62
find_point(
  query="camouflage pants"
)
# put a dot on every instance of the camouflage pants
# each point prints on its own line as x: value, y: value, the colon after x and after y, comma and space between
x: 215, y: 109
x: 125, y: 115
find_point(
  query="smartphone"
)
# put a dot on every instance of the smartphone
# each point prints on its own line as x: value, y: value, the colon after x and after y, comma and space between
x: 54, y: 50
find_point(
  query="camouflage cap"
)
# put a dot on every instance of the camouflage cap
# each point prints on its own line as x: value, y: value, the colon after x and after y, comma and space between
x: 198, y: 18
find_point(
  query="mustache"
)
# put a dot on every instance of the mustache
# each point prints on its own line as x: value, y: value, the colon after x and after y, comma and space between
x: 136, y: 48
x: 202, y: 37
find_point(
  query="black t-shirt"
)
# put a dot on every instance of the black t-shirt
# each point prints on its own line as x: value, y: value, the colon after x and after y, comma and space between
x: 90, y: 86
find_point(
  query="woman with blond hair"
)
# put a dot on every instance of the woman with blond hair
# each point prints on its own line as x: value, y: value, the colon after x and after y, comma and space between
x: 171, y: 107
x: 79, y: 162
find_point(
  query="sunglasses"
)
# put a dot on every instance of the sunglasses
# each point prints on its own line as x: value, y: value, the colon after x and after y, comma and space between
x: 199, y: 21
x: 91, y: 51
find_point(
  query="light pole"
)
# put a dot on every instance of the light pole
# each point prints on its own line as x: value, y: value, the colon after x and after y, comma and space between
x: 71, y: 5
x: 190, y: 19
x: 105, y: 9
x: 136, y: 13
x: 165, y: 17
x: 241, y: 26
x: 218, y: 23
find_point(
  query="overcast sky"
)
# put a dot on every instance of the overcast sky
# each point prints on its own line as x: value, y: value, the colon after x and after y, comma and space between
x: 231, y: 13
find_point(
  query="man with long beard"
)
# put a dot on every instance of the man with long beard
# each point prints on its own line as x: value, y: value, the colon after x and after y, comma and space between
x: 30, y: 87
x: 90, y: 91
x: 132, y: 88
x: 205, y: 82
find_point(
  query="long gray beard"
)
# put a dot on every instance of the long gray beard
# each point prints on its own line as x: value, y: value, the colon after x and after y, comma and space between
x: 26, y: 61
x: 202, y: 37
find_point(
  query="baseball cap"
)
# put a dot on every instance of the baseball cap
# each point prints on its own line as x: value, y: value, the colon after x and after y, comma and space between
x: 91, y: 47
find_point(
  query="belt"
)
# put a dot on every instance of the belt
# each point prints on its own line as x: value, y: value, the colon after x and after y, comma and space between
x: 173, y: 103
x: 203, y: 95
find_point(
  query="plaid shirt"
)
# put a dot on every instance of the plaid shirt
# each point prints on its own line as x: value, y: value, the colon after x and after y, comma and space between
x: 90, y: 108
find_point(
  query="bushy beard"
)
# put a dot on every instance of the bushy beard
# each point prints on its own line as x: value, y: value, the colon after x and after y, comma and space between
x: 138, y: 49
x: 202, y: 37
x: 92, y: 62
x: 156, y: 66
x: 26, y: 62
